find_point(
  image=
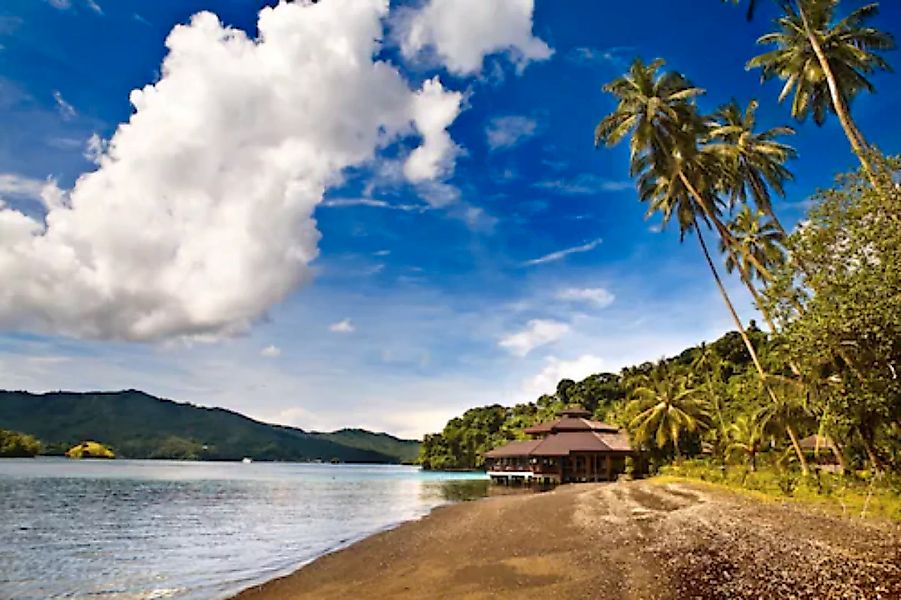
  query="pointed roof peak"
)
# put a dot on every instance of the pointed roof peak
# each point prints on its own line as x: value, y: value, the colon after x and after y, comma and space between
x: 575, y: 411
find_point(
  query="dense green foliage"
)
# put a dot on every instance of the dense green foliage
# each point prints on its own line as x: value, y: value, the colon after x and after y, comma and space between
x: 18, y: 445
x: 137, y: 425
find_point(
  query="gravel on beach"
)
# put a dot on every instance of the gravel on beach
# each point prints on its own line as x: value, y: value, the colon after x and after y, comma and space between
x: 631, y: 540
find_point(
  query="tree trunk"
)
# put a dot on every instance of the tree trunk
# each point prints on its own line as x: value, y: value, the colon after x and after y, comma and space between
x: 797, y: 446
x: 858, y: 143
x: 837, y: 452
x: 753, y: 461
x: 867, y: 440
x: 744, y: 336
x: 741, y: 330
x: 729, y: 305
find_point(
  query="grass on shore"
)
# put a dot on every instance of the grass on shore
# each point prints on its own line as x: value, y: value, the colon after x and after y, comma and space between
x: 855, y: 495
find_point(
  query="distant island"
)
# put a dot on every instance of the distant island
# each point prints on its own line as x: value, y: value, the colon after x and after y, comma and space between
x: 133, y: 424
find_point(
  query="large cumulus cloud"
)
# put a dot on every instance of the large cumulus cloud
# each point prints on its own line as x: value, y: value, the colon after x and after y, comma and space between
x: 199, y: 216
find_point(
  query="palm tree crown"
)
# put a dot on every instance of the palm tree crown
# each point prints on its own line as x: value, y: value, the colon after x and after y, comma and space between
x: 668, y: 406
x: 756, y: 241
x: 656, y: 108
x: 850, y: 47
x: 753, y: 162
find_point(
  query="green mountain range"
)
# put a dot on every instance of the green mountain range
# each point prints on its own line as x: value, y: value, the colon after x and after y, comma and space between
x: 138, y: 425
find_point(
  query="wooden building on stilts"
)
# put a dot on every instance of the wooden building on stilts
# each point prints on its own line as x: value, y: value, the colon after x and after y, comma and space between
x: 571, y: 449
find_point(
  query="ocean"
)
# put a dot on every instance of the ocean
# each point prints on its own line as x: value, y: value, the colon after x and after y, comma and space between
x: 173, y: 529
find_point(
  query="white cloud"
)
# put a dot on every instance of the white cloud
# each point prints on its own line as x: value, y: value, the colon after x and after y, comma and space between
x: 60, y: 4
x: 545, y: 382
x: 461, y: 33
x: 94, y: 6
x: 343, y: 326
x: 271, y: 351
x: 600, y: 297
x: 561, y: 254
x: 66, y: 110
x: 509, y: 131
x: 434, y: 109
x: 199, y: 216
x: 538, y: 332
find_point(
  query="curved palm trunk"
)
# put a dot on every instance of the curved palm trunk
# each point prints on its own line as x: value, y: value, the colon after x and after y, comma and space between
x: 797, y: 446
x: 858, y: 143
x: 744, y: 336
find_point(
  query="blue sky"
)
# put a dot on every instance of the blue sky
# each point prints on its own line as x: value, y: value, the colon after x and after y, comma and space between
x: 512, y: 254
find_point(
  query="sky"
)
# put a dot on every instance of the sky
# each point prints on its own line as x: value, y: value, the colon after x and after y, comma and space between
x: 356, y: 214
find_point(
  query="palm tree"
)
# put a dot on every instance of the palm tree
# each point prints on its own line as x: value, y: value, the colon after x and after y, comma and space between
x: 753, y: 247
x: 747, y: 435
x: 757, y: 244
x: 825, y: 63
x: 658, y: 111
x: 668, y: 407
x: 785, y: 413
x: 753, y: 162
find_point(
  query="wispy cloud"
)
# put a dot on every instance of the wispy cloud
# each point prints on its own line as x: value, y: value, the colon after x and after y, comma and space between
x: 19, y: 186
x: 509, y: 131
x: 343, y: 326
x: 615, y: 56
x: 94, y: 6
x: 374, y: 203
x: 561, y: 254
x: 583, y: 184
x: 600, y: 297
x: 545, y: 382
x: 66, y: 110
x: 538, y: 332
x: 271, y: 351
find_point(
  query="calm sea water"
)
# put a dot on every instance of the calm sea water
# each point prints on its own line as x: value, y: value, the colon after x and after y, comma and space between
x: 161, y: 529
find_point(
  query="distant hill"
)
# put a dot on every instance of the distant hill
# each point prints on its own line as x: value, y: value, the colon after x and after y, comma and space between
x: 138, y: 425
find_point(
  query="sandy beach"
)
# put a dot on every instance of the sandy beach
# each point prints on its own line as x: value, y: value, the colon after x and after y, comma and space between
x: 642, y: 540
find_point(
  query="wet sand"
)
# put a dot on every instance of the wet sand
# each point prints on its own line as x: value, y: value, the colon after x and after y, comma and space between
x: 640, y: 540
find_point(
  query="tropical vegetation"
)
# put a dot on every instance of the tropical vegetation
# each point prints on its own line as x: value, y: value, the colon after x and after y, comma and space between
x: 828, y: 290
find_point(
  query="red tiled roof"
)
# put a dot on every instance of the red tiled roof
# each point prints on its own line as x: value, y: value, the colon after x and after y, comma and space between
x: 523, y: 448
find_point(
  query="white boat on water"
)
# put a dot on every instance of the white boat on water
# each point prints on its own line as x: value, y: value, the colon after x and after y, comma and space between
x: 246, y: 460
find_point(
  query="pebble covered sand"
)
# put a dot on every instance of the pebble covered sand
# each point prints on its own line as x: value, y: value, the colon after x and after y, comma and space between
x: 641, y: 540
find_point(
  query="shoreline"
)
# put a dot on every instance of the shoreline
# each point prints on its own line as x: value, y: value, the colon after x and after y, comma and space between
x: 613, y: 540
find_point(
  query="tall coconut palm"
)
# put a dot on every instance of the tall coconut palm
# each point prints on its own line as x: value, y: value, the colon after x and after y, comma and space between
x: 668, y: 408
x: 677, y: 179
x: 825, y: 63
x: 753, y: 162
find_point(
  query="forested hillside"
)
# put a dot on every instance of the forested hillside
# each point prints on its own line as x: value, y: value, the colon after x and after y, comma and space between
x: 606, y: 395
x: 138, y: 425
